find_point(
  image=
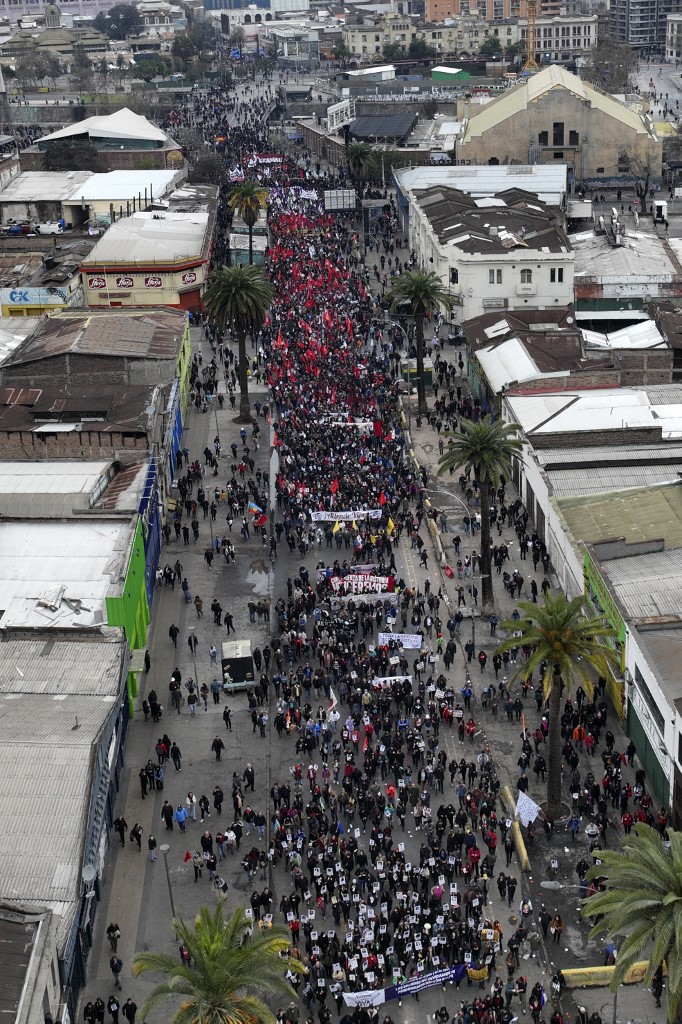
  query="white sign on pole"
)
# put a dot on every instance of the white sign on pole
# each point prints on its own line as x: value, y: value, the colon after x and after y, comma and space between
x: 340, y: 114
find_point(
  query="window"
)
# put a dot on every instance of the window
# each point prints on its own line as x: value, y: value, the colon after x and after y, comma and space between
x: 556, y: 275
x: 558, y: 154
x: 494, y: 277
x: 648, y: 698
x: 543, y: 138
x: 600, y: 170
x: 558, y: 133
x: 454, y: 275
x: 526, y: 277
x: 573, y: 139
x: 491, y: 277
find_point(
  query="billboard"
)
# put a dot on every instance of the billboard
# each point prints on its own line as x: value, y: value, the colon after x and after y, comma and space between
x: 340, y: 114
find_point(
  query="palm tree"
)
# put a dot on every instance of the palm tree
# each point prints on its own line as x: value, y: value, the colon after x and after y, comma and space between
x: 642, y: 901
x: 486, y: 447
x: 566, y: 646
x: 239, y: 297
x: 423, y: 291
x: 248, y: 198
x: 231, y: 973
x: 362, y: 159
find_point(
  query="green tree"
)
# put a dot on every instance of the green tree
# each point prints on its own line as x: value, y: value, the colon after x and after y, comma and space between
x: 237, y: 38
x: 486, y: 448
x: 53, y: 67
x: 362, y: 160
x: 421, y: 290
x: 121, y: 69
x: 183, y: 49
x: 420, y: 49
x: 392, y: 51
x: 514, y: 50
x: 239, y: 297
x: 642, y: 900
x: 490, y: 47
x: 248, y: 198
x: 340, y: 50
x: 119, y: 22
x: 567, y: 647
x: 70, y: 155
x: 232, y: 971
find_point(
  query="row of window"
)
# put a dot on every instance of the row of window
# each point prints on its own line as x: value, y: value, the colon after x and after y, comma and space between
x: 556, y: 276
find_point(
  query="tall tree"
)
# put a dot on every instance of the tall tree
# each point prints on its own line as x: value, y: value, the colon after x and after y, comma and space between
x: 248, y: 198
x: 239, y: 298
x: 231, y: 974
x: 119, y: 22
x: 567, y: 649
x: 486, y: 448
x: 642, y: 900
x: 421, y: 290
x: 362, y: 159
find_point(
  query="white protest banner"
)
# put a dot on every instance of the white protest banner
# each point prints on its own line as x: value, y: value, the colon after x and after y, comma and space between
x: 345, y: 517
x: 385, y: 681
x: 410, y: 641
x: 526, y: 809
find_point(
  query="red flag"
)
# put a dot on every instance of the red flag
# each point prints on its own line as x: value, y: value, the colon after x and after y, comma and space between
x: 188, y: 856
x: 349, y: 327
x: 280, y: 339
x: 260, y: 521
x: 365, y: 744
x: 382, y: 498
x: 334, y: 486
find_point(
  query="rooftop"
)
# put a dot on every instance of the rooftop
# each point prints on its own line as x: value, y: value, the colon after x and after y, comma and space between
x: 56, y: 697
x: 642, y: 256
x: 379, y: 127
x: 64, y: 489
x: 59, y: 574
x: 599, y: 409
x: 535, y: 87
x: 508, y: 220
x: 13, y: 331
x: 134, y: 334
x: 123, y: 124
x: 649, y: 586
x: 643, y: 335
x: 75, y: 186
x: 640, y: 514
x: 32, y: 186
x: 546, y: 181
x: 148, y: 237
x: 106, y: 408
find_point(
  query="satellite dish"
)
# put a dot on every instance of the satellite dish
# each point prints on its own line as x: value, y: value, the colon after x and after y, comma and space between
x: 88, y: 874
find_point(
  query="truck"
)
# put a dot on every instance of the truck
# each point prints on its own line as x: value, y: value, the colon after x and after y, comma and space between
x: 237, y: 665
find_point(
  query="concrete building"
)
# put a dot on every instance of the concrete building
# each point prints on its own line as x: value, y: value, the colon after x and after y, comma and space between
x: 62, y: 727
x: 487, y: 10
x: 123, y: 140
x: 151, y: 259
x: 554, y: 115
x: 502, y: 252
x: 641, y: 267
x: 641, y: 23
x: 673, y: 37
x: 83, y: 197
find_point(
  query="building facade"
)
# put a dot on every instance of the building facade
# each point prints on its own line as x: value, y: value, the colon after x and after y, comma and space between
x: 555, y: 116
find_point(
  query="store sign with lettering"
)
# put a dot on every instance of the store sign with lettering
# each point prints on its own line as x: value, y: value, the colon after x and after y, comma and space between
x: 97, y: 282
x: 189, y: 277
x: 124, y: 282
x: 153, y: 282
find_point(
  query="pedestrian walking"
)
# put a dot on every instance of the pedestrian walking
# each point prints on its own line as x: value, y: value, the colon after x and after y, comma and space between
x: 116, y: 965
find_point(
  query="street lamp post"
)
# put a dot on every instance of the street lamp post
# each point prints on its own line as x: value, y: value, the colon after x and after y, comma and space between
x: 393, y: 323
x: 164, y: 850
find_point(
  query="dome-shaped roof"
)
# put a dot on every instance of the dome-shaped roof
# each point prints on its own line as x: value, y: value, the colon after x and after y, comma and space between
x: 53, y: 10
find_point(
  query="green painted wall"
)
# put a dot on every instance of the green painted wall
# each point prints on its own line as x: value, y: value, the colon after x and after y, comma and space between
x: 601, y: 602
x: 131, y: 610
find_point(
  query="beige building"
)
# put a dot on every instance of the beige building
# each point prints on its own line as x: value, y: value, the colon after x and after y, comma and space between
x: 673, y: 37
x: 555, y: 116
x: 558, y: 38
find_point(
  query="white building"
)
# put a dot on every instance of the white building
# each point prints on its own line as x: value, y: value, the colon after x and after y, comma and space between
x: 673, y: 37
x: 499, y: 252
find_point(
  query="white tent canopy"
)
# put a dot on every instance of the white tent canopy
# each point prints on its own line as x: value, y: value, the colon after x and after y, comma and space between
x: 123, y: 124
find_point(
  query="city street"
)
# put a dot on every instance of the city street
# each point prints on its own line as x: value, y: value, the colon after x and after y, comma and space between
x: 141, y: 895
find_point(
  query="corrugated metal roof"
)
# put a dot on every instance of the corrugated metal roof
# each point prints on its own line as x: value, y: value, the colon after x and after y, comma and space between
x: 648, y: 585
x: 505, y: 363
x: 651, y: 513
x: 45, y: 769
x: 34, y: 186
x: 119, y: 185
x: 142, y: 238
x: 567, y: 483
x: 45, y: 666
x: 604, y: 409
x: 618, y: 454
x: 59, y: 487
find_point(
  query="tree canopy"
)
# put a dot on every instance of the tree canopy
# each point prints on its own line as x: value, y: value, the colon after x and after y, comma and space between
x: 119, y: 22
